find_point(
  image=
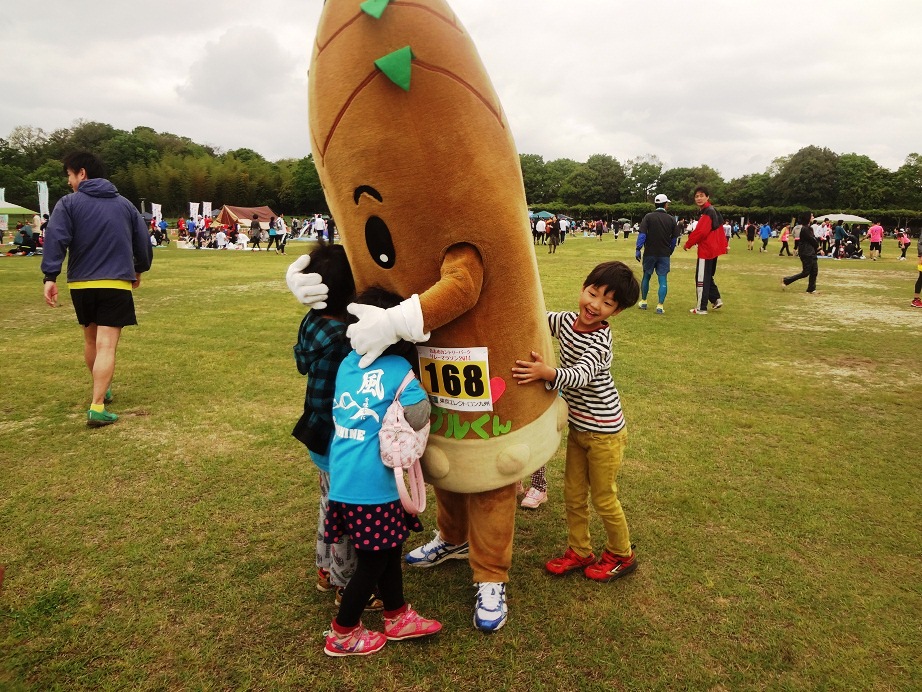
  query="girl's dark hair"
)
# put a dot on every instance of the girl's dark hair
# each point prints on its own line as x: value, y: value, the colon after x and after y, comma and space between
x: 618, y: 278
x: 382, y: 298
x: 83, y: 159
x: 331, y: 263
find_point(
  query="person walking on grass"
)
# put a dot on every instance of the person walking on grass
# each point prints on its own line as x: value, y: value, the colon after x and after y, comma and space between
x: 597, y: 433
x: 750, y: 235
x: 785, y: 236
x: 255, y: 231
x: 876, y: 238
x: 273, y: 236
x: 765, y: 232
x: 917, y: 300
x: 809, y: 247
x: 709, y: 237
x: 658, y: 236
x: 108, y: 248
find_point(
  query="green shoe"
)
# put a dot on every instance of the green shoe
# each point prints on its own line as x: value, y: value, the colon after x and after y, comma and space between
x: 107, y: 399
x: 97, y: 419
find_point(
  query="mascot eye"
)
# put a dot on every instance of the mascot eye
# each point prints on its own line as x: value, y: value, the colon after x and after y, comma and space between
x: 379, y: 243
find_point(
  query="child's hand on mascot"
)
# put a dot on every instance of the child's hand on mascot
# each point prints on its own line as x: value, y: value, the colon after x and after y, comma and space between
x: 538, y: 371
x: 309, y: 289
x: 377, y: 328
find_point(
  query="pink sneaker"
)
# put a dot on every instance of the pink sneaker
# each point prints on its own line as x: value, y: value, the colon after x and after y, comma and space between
x: 358, y: 642
x: 534, y: 498
x: 410, y: 625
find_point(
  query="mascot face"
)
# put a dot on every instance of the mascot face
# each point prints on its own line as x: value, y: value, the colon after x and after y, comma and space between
x: 407, y: 172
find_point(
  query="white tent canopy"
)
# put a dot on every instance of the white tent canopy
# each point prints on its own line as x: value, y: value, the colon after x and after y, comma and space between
x: 846, y: 218
x: 14, y: 209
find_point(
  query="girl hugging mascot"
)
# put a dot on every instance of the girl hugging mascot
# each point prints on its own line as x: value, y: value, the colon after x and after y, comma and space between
x: 408, y: 136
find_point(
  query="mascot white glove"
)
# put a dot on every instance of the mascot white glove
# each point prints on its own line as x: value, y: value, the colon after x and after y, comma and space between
x: 378, y: 328
x: 309, y: 289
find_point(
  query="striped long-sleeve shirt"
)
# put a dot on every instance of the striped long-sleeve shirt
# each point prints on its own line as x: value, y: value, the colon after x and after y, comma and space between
x: 584, y: 375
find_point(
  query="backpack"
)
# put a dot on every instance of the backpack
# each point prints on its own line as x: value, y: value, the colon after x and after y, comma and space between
x: 401, y: 448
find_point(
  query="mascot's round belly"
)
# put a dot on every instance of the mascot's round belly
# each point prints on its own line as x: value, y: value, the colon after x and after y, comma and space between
x: 416, y: 160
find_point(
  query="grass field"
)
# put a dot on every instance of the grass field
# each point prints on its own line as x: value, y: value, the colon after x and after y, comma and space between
x: 772, y: 485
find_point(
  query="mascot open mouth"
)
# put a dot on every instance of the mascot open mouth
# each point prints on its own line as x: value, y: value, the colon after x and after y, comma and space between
x: 379, y: 242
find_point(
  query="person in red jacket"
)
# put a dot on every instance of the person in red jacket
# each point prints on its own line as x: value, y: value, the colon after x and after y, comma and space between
x: 712, y: 243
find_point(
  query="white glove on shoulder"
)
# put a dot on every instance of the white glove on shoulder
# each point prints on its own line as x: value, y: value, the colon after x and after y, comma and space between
x: 377, y: 328
x: 309, y: 289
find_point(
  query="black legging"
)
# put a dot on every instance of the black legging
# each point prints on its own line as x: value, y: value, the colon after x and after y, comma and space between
x: 273, y: 239
x: 785, y: 248
x: 919, y: 284
x: 810, y: 270
x: 381, y: 568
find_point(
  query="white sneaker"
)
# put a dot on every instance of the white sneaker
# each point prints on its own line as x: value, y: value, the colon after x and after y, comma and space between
x: 719, y: 304
x: 642, y: 305
x: 435, y: 551
x: 534, y: 498
x: 490, y: 614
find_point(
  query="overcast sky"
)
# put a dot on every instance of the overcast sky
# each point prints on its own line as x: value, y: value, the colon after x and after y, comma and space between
x: 730, y: 83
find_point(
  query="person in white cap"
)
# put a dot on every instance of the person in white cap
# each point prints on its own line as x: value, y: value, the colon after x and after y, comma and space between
x: 658, y: 236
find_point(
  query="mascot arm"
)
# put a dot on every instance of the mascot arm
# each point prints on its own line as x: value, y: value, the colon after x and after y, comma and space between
x: 308, y: 288
x: 456, y: 292
x: 458, y: 289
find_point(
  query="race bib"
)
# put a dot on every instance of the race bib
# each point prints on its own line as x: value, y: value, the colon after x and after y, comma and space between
x: 456, y: 378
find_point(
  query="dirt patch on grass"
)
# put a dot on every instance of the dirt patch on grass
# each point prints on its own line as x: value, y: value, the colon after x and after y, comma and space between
x: 851, y: 374
x: 833, y: 312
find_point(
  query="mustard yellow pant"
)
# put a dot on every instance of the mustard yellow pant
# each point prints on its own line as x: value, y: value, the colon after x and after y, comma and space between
x: 591, y: 471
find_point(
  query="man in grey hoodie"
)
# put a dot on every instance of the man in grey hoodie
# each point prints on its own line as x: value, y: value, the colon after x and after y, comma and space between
x: 107, y: 247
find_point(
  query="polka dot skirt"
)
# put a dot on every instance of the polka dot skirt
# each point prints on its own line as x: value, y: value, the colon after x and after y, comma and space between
x: 371, y: 527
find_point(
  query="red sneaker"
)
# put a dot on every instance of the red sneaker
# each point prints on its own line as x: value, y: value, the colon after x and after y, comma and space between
x: 611, y: 566
x: 323, y: 580
x: 569, y: 562
x: 916, y: 303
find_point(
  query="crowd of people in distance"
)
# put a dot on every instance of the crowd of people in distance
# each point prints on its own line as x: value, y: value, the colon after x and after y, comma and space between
x: 206, y: 232
x: 28, y: 238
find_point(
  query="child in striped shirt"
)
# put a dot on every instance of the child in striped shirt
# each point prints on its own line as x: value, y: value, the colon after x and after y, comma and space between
x: 597, y: 434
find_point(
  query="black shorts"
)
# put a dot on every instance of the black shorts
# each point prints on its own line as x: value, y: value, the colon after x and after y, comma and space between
x: 105, y: 307
x: 875, y: 246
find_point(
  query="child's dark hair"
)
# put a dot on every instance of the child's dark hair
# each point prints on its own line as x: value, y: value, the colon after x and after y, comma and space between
x: 618, y: 278
x: 382, y: 298
x: 331, y: 263
x: 84, y: 160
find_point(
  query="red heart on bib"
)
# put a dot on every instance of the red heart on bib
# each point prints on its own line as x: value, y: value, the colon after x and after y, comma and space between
x: 497, y: 388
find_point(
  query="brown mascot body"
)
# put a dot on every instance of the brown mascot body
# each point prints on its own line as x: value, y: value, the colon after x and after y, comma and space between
x: 422, y: 176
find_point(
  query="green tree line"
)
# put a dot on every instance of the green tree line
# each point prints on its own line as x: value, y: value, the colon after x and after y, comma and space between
x: 173, y: 170
x: 158, y: 167
x: 814, y: 178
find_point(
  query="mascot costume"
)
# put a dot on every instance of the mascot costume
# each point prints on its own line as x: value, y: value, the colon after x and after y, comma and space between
x: 409, y: 137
